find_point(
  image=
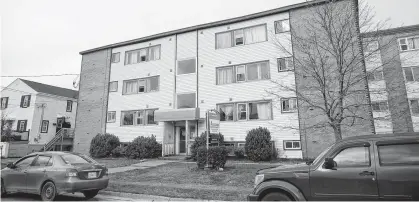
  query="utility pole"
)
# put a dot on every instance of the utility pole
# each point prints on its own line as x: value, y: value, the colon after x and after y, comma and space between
x: 42, y: 106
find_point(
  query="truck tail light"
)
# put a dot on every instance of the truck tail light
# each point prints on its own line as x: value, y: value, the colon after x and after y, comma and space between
x: 71, y: 173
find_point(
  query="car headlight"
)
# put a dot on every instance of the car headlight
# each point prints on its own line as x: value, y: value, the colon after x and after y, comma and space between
x: 259, y: 179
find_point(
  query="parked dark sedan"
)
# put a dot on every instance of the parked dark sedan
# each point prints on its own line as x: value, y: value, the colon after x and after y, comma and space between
x: 52, y: 173
x: 376, y: 167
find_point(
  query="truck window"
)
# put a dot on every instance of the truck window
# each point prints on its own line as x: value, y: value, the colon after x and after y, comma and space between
x: 353, y: 157
x: 399, y: 154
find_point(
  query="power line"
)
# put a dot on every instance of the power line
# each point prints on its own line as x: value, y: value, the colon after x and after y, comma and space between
x: 45, y: 75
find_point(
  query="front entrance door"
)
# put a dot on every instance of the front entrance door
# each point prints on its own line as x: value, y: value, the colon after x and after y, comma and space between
x: 60, y: 122
x: 182, y: 140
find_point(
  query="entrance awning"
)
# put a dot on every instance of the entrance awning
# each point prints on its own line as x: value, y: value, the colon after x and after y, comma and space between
x: 176, y: 114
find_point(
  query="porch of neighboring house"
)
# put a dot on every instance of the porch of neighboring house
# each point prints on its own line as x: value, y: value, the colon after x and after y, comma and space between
x: 62, y: 141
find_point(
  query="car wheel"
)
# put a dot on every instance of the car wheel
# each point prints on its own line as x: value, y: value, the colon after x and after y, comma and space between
x: 48, y: 191
x: 3, y: 189
x: 276, y: 196
x: 90, y: 194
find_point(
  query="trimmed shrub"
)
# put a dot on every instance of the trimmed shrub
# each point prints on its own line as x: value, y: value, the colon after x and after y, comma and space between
x: 258, y: 145
x: 144, y: 147
x: 239, y: 152
x: 118, y: 151
x: 102, y: 145
x: 201, y: 141
x: 201, y: 156
x: 217, y: 156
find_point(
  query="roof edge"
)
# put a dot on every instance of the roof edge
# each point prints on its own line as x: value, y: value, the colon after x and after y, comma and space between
x: 391, y: 31
x: 208, y: 25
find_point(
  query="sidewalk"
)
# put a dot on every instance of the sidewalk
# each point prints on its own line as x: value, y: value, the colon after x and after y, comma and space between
x: 144, y: 197
x: 142, y: 165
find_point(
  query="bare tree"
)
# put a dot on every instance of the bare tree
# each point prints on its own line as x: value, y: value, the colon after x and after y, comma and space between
x: 6, y: 128
x: 329, y: 64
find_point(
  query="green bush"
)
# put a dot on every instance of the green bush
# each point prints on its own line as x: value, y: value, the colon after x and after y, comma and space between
x: 239, y: 152
x: 201, y: 156
x: 258, y: 145
x: 102, y: 145
x: 118, y: 151
x: 217, y: 156
x: 144, y: 147
x: 201, y: 141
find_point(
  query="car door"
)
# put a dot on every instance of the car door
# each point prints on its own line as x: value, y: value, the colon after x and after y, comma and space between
x: 398, y: 169
x: 37, y: 173
x: 15, y: 178
x: 352, y: 178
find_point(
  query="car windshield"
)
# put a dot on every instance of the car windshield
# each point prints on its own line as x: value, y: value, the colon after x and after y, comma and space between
x: 75, y: 159
x: 320, y: 156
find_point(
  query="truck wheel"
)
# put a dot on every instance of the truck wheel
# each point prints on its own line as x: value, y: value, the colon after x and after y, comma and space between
x: 276, y: 196
x: 90, y: 194
x: 48, y: 191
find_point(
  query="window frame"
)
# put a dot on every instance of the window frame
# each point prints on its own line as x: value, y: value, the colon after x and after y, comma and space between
x: 379, y: 106
x: 285, y: 62
x: 145, y: 118
x: 410, y: 107
x: 292, y: 142
x: 232, y: 105
x: 289, y: 111
x: 114, y: 56
x: 69, y: 104
x: 19, y: 123
x: 42, y: 126
x: 6, y: 102
x: 276, y: 23
x: 138, y: 51
x: 48, y: 163
x: 374, y: 75
x: 107, y: 117
x: 236, y: 112
x: 233, y: 42
x: 378, y: 144
x: 185, y: 59
x: 28, y: 103
x: 145, y: 79
x: 406, y: 39
x: 413, y: 73
x: 235, y: 72
x: 337, y: 152
x: 110, y: 84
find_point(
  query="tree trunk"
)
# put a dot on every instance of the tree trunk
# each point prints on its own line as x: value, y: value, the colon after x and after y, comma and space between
x: 338, y: 132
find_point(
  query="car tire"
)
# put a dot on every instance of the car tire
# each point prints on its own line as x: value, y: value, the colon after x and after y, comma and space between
x: 90, y: 194
x: 276, y: 196
x: 3, y: 189
x: 48, y: 191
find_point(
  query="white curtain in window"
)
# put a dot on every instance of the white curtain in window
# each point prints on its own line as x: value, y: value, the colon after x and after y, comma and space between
x: 155, y: 53
x: 264, y: 110
x: 255, y: 34
x: 133, y: 57
x: 264, y: 70
x: 224, y: 40
x: 131, y: 86
x: 225, y: 75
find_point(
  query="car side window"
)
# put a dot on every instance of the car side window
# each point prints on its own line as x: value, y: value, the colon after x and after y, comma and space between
x: 399, y: 154
x: 353, y: 157
x: 25, y: 162
x: 43, y: 161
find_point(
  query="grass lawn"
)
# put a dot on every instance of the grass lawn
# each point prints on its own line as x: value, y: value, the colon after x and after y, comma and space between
x: 186, y: 181
x: 117, y: 162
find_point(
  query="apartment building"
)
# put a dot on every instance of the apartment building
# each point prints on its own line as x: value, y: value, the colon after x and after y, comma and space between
x: 393, y: 78
x: 163, y: 84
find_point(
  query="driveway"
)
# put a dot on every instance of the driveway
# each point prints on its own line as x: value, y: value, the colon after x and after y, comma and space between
x: 67, y: 197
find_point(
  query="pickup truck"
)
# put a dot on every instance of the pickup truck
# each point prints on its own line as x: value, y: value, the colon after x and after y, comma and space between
x: 373, y: 167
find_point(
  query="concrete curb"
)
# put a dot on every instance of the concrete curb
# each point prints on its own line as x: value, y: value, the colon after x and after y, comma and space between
x: 143, y: 197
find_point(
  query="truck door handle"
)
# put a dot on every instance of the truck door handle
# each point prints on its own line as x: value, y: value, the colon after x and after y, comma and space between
x: 366, y: 173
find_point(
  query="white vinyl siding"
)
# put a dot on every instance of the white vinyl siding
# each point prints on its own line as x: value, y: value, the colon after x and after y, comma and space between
x: 142, y: 55
x: 243, y: 36
x: 138, y: 117
x: 142, y: 85
x: 243, y: 73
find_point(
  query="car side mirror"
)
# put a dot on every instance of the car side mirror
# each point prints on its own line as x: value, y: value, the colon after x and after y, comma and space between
x: 329, y: 163
x: 11, y: 165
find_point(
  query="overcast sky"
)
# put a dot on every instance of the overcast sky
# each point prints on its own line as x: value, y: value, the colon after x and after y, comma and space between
x: 45, y: 36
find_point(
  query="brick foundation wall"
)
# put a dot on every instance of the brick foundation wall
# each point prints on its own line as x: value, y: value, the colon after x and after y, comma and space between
x: 93, y: 98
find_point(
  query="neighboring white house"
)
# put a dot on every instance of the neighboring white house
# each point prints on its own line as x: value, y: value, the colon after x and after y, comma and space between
x: 38, y: 109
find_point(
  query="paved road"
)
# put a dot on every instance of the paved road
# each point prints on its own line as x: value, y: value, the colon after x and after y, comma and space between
x: 67, y: 197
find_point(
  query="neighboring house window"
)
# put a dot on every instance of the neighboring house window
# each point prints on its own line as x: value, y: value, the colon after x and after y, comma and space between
x: 143, y: 85
x: 186, y: 66
x: 243, y: 73
x: 43, y: 161
x: 411, y: 73
x: 25, y: 101
x: 186, y: 100
x: 111, y: 117
x: 241, y: 36
x: 113, y: 86
x: 292, y: 144
x: 399, y: 154
x: 44, y: 127
x: 285, y: 64
x: 115, y: 57
x: 255, y: 110
x: 69, y: 106
x: 414, y: 107
x: 375, y: 76
x: 409, y: 43
x: 142, y: 55
x: 138, y: 117
x: 4, y: 102
x: 372, y: 46
x: 379, y: 106
x: 289, y: 104
x: 282, y: 26
x: 21, y: 125
x: 353, y: 157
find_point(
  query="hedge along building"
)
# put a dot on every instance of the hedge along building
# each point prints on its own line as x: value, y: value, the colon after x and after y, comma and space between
x: 163, y: 84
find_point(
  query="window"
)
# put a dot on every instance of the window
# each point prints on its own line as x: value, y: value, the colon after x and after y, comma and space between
x: 399, y: 154
x: 285, y: 64
x: 21, y: 125
x: 74, y: 159
x: 242, y: 73
x: 143, y: 85
x: 186, y: 100
x: 414, y: 107
x: 113, y: 86
x: 379, y: 106
x: 186, y: 66
x: 282, y: 26
x: 410, y: 43
x: 372, y: 46
x: 241, y: 111
x: 69, y: 107
x: 375, y: 76
x: 292, y: 144
x: 44, y: 127
x: 142, y: 55
x: 353, y: 157
x: 25, y: 101
x: 25, y: 162
x: 138, y: 117
x: 226, y: 112
x: 241, y: 37
x: 43, y: 161
x: 111, y: 117
x: 411, y: 73
x: 259, y: 111
x: 289, y: 104
x: 115, y: 57
x: 4, y: 102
